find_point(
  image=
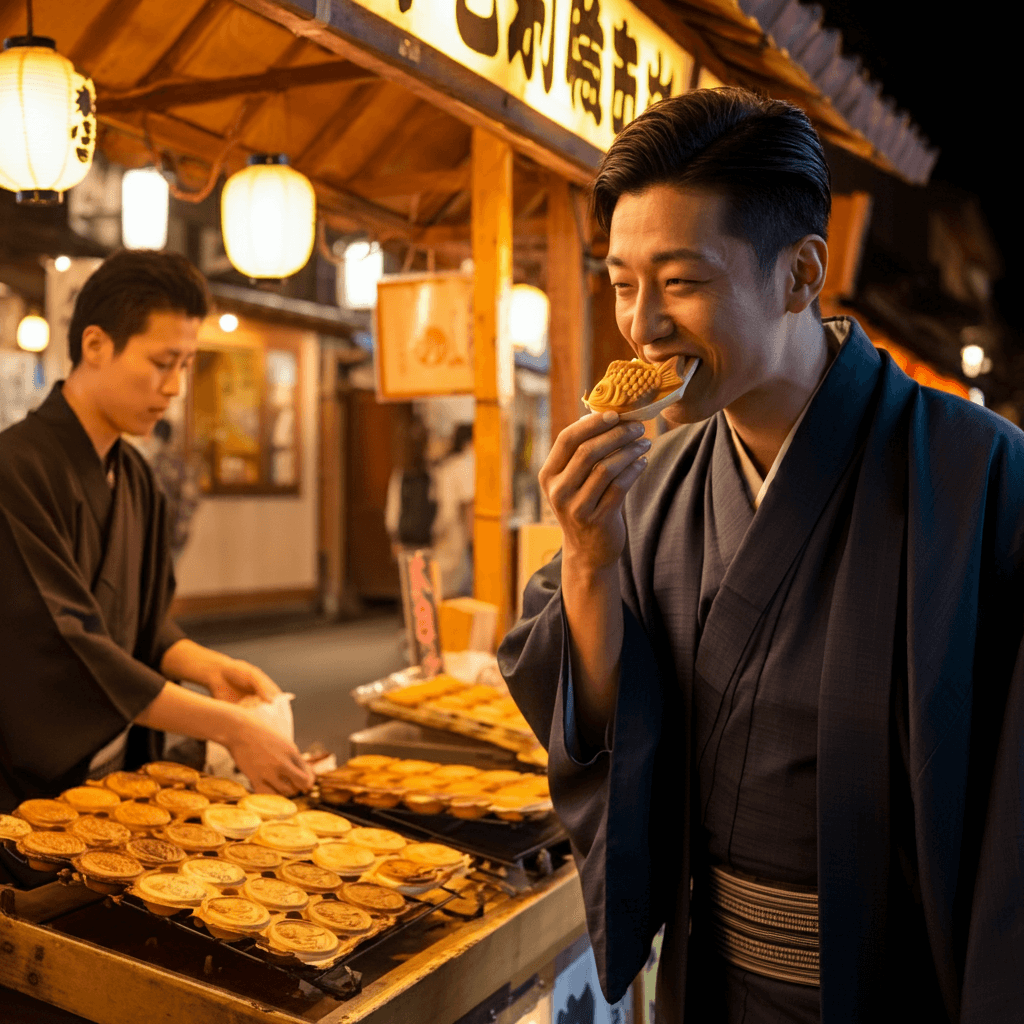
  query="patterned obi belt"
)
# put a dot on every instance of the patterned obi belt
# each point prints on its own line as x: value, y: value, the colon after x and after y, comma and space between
x: 765, y: 928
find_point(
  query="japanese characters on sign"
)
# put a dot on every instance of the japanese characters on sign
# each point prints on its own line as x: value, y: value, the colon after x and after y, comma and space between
x: 419, y: 580
x: 588, y: 65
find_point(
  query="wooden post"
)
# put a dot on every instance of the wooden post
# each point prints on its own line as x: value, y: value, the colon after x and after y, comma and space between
x: 568, y: 333
x: 492, y: 356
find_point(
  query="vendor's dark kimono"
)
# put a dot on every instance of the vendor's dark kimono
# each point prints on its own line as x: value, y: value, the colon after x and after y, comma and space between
x: 85, y: 589
x: 874, y: 602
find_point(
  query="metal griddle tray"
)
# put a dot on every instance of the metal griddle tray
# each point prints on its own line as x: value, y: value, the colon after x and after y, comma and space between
x: 338, y: 980
x: 521, y: 847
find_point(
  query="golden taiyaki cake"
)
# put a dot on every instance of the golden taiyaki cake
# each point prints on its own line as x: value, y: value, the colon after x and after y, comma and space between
x: 631, y: 384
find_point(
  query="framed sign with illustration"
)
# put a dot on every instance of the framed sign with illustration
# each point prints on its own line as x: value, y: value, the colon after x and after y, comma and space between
x: 423, y: 324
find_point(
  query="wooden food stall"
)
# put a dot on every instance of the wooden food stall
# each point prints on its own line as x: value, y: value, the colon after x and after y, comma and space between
x: 450, y: 134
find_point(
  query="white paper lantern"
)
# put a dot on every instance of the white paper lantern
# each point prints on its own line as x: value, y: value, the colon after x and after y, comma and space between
x: 528, y: 319
x: 47, y: 120
x: 268, y: 217
x: 144, y: 205
x: 33, y: 333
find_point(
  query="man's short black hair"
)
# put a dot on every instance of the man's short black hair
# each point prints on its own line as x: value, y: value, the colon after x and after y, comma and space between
x: 127, y: 287
x: 762, y: 154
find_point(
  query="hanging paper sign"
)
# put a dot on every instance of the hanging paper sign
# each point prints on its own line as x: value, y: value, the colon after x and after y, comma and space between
x: 588, y: 65
x: 420, y: 581
x: 423, y: 328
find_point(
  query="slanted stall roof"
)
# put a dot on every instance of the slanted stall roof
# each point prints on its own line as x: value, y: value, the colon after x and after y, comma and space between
x: 781, y: 47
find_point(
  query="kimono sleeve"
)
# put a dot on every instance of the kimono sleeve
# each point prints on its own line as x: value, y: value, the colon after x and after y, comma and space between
x: 605, y: 804
x: 66, y: 687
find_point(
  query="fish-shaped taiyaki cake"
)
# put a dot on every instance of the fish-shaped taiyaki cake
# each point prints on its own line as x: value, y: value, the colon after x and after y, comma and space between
x: 631, y: 386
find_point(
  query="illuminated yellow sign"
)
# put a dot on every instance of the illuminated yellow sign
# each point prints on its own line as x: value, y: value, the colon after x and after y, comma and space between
x: 588, y: 66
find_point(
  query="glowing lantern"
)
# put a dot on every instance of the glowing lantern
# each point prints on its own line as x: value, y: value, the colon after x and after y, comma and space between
x: 33, y: 333
x: 268, y: 217
x: 47, y: 120
x: 528, y: 319
x: 144, y: 205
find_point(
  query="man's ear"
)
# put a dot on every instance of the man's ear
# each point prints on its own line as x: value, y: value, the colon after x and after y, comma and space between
x: 807, y: 267
x: 97, y: 347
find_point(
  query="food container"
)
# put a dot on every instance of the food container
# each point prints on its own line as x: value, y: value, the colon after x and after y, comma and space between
x: 233, y: 917
x: 170, y: 773
x: 269, y: 806
x: 166, y: 892
x: 252, y: 857
x: 49, y: 851
x: 154, y: 853
x: 230, y: 821
x: 46, y: 814
x: 275, y: 894
x: 141, y: 817
x: 131, y: 785
x: 311, y: 878
x: 91, y: 799
x: 347, y: 859
x: 98, y: 833
x: 107, y: 871
x: 221, y: 790
x: 222, y: 874
x: 182, y: 803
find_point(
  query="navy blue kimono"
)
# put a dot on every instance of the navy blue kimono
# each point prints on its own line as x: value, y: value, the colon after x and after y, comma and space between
x: 86, y: 588
x: 885, y: 566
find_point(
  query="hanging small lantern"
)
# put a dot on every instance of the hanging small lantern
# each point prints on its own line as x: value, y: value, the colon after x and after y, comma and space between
x: 268, y: 218
x: 528, y: 319
x: 47, y: 120
x: 144, y: 207
x: 33, y: 333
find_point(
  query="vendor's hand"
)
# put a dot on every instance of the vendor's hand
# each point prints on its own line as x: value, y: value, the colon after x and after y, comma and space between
x: 271, y: 763
x: 592, y: 465
x: 234, y: 679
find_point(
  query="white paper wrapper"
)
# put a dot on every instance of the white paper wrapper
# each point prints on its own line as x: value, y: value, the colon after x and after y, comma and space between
x: 276, y: 713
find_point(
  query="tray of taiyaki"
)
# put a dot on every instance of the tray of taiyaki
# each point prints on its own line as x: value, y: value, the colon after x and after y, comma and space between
x: 428, y: 788
x: 482, y: 710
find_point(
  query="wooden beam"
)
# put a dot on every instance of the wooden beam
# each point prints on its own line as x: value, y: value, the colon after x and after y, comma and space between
x: 189, y: 140
x: 567, y: 333
x: 492, y: 358
x: 162, y: 95
x: 452, y: 179
x: 458, y: 91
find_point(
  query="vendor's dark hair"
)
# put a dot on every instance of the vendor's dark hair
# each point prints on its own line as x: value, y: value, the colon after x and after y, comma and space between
x: 127, y: 287
x: 763, y: 154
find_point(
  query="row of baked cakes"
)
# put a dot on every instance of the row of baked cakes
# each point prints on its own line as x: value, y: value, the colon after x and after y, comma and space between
x: 304, y: 884
x: 429, y: 788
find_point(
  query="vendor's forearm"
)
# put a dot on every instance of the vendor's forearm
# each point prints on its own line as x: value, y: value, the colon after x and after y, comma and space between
x: 188, y: 660
x: 177, y: 709
x: 593, y: 611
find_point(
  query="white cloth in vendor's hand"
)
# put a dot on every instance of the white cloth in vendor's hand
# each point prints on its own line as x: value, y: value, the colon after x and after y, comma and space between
x: 276, y: 713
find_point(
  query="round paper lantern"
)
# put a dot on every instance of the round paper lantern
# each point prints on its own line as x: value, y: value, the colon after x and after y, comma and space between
x: 268, y: 217
x: 47, y: 121
x: 33, y: 333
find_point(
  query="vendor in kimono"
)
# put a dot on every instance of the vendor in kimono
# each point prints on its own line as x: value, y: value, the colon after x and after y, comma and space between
x: 86, y: 643
x: 777, y: 662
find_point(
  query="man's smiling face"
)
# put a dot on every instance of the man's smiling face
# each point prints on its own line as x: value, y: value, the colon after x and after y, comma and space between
x: 685, y: 288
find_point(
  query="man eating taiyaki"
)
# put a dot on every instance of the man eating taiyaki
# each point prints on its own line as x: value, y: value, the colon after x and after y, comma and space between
x: 753, y: 660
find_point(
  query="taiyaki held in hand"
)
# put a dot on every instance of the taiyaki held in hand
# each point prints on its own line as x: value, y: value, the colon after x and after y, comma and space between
x: 637, y: 390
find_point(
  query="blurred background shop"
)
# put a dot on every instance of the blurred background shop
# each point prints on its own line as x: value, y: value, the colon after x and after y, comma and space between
x: 388, y: 201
